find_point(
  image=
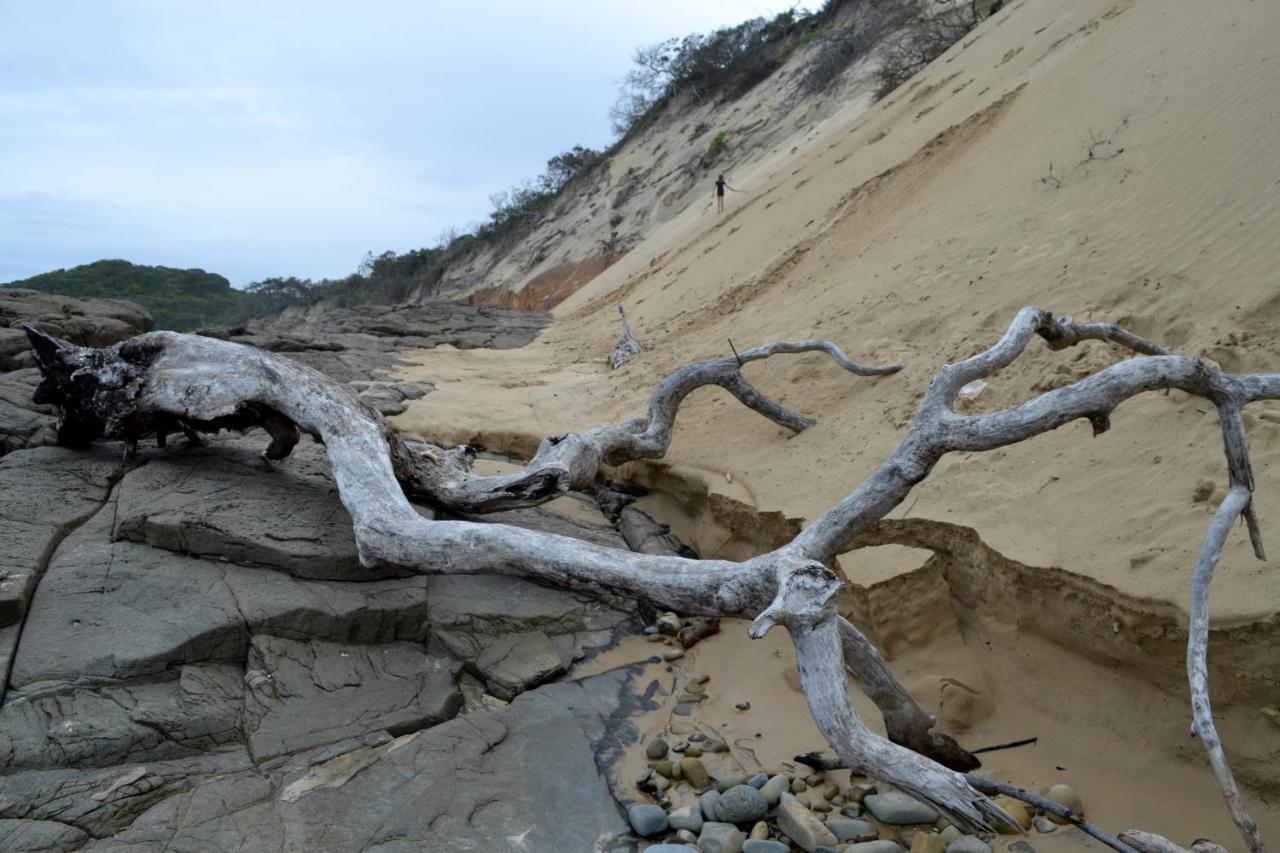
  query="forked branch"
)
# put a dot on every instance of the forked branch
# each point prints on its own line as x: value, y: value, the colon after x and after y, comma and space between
x: 164, y: 380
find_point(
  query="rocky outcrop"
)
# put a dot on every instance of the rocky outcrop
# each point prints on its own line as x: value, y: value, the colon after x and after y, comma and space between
x: 198, y: 662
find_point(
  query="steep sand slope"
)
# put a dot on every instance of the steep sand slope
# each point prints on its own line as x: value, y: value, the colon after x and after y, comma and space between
x: 913, y: 232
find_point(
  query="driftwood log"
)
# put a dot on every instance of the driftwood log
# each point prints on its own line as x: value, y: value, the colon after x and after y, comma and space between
x: 165, y: 383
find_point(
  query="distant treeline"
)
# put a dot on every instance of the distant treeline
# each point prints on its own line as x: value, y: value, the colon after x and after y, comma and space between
x: 178, y: 299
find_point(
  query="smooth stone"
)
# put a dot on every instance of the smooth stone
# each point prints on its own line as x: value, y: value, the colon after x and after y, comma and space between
x: 762, y: 845
x: 757, y: 780
x: 798, y: 786
x: 881, y: 846
x: 1064, y: 795
x: 1044, y: 825
x: 950, y: 833
x: 928, y: 842
x: 847, y: 829
x: 743, y: 706
x: 656, y: 749
x: 1017, y: 810
x: 968, y: 844
x: 857, y: 793
x: 684, y: 709
x: 668, y: 847
x: 707, y: 803
x: 759, y: 831
x: 726, y: 782
x: 678, y: 728
x: 852, y: 810
x: 742, y: 804
x: 673, y: 655
x: 831, y: 791
x: 692, y: 751
x: 666, y: 768
x: 695, y: 773
x: 689, y: 817
x: 896, y: 808
x: 647, y: 819
x: 695, y: 687
x: 774, y: 789
x: 697, y: 737
x: 815, y: 779
x: 804, y: 829
x: 686, y: 836
x: 720, y: 838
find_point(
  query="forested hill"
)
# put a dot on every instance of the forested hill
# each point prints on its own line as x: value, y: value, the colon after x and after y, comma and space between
x: 178, y: 299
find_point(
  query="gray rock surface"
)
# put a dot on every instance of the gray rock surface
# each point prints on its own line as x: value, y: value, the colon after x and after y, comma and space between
x: 720, y: 838
x: 88, y: 322
x: 802, y: 825
x: 895, y: 807
x: 304, y: 693
x: 192, y: 659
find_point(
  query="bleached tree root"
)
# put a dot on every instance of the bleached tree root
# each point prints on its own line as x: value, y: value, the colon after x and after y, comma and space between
x: 163, y: 382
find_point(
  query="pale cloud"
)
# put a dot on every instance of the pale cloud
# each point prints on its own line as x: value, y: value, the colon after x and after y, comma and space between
x: 258, y: 139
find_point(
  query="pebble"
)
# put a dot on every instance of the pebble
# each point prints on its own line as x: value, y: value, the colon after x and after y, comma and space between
x: 693, y: 750
x: 707, y: 803
x: 847, y: 829
x: 1064, y: 795
x: 1017, y: 810
x: 741, y: 804
x: 660, y: 783
x: 815, y: 779
x: 798, y: 786
x: 882, y: 846
x: 668, y: 847
x: 680, y: 748
x: 686, y: 836
x: 673, y: 655
x: 822, y: 807
x: 831, y: 791
x: 684, y: 709
x: 678, y: 728
x: 656, y: 749
x: 695, y: 687
x: 928, y: 842
x: 666, y: 768
x: 760, y: 831
x: 689, y: 817
x: 743, y: 706
x: 801, y: 825
x: 856, y: 793
x: 724, y: 783
x: 757, y: 780
x: 759, y: 845
x: 949, y: 832
x: 895, y: 807
x: 852, y: 810
x: 720, y: 838
x: 701, y: 679
x: 773, y: 789
x: 646, y: 819
x: 1043, y: 824
x: 968, y: 844
x: 697, y: 737
x: 691, y: 697
x: 695, y: 773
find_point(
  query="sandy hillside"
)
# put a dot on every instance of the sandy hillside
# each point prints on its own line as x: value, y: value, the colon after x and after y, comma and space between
x: 913, y: 234
x: 1110, y: 159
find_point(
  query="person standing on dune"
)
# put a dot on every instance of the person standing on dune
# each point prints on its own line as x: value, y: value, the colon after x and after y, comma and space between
x: 720, y: 188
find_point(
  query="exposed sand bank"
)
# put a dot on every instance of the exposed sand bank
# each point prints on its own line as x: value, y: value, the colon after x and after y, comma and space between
x: 913, y: 233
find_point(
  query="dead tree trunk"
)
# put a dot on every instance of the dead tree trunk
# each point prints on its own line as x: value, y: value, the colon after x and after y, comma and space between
x: 163, y: 382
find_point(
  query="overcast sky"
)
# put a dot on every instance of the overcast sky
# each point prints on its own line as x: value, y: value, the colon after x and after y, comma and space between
x: 277, y: 138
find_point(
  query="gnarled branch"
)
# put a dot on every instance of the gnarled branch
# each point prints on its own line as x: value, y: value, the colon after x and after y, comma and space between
x: 160, y: 379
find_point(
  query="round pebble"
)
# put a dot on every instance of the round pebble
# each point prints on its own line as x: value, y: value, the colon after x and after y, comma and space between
x: 757, y: 780
x: 742, y: 804
x: 763, y: 845
x: 647, y: 819
x: 968, y: 844
x: 656, y: 749
x: 1064, y: 795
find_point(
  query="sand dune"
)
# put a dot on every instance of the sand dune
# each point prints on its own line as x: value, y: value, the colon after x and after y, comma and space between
x: 1110, y: 159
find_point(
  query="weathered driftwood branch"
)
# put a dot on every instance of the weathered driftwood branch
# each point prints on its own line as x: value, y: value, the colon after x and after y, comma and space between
x: 567, y: 462
x: 164, y: 381
x: 627, y: 348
